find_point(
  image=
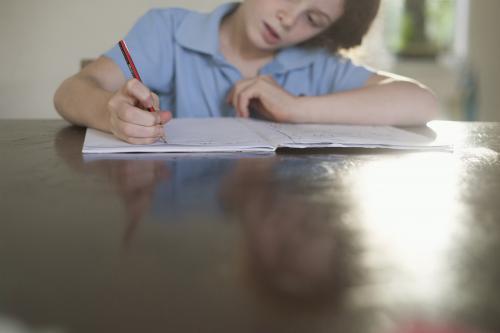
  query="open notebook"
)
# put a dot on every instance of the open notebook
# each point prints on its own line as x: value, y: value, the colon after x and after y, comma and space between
x: 193, y: 135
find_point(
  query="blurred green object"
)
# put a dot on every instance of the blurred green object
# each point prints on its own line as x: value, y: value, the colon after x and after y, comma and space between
x: 426, y: 28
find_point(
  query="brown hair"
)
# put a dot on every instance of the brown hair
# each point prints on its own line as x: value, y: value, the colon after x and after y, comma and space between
x: 348, y: 31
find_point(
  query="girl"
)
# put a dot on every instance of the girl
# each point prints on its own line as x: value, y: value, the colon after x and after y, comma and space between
x: 276, y: 59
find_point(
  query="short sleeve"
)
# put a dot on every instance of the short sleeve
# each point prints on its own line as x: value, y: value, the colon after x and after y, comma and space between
x: 151, y: 45
x: 341, y: 74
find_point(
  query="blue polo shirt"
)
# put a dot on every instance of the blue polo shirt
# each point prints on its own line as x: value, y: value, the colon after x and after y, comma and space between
x: 177, y: 55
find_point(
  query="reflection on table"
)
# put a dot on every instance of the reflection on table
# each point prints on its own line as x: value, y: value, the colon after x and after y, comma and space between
x: 316, y: 241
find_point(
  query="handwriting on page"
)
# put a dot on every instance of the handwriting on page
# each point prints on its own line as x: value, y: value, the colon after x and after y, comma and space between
x: 319, y: 134
x: 265, y: 130
x: 209, y: 132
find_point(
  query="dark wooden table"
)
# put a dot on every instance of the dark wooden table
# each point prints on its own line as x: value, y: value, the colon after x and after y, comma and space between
x: 311, y: 241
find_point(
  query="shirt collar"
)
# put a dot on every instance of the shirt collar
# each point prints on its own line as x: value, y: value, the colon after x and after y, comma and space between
x: 200, y: 32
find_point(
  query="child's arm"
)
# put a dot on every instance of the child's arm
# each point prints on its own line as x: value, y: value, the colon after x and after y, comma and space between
x: 385, y: 99
x: 100, y: 97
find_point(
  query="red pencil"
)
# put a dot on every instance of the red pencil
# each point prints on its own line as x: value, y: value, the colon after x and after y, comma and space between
x: 134, y: 71
x: 131, y: 65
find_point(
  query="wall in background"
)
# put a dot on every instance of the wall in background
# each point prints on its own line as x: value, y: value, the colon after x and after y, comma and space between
x: 484, y: 50
x: 42, y: 43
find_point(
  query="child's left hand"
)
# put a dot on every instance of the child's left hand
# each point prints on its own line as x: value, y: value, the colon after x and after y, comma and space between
x: 265, y: 96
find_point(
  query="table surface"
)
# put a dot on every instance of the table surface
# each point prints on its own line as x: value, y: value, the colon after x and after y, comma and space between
x: 336, y: 240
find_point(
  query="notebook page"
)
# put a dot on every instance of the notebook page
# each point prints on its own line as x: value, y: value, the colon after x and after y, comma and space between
x: 186, y: 135
x: 312, y: 135
x: 266, y: 130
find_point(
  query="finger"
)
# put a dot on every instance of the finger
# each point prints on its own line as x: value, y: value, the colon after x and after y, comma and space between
x: 238, y: 87
x: 137, y: 131
x: 238, y: 90
x: 156, y: 101
x: 165, y: 117
x: 234, y: 91
x: 139, y: 93
x: 131, y: 139
x: 259, y: 97
x: 245, y: 98
x: 244, y: 103
x: 140, y: 141
x: 134, y: 115
x: 269, y: 79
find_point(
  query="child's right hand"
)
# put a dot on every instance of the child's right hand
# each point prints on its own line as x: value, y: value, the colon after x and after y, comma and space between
x: 128, y: 119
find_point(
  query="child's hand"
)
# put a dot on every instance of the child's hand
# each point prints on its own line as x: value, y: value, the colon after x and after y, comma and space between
x: 128, y: 118
x: 265, y: 96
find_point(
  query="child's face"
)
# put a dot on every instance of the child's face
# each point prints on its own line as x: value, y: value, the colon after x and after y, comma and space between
x: 274, y: 24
